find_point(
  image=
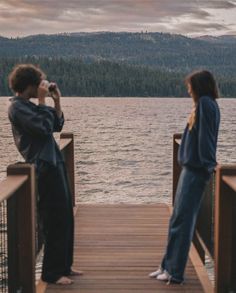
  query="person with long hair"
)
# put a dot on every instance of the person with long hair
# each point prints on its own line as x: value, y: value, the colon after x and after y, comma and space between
x: 197, y: 157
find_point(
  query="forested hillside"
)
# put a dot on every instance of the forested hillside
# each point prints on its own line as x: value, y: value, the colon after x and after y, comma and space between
x: 122, y: 64
x: 105, y: 78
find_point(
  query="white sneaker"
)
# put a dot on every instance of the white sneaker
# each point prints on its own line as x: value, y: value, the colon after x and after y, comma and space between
x: 156, y: 273
x: 163, y: 277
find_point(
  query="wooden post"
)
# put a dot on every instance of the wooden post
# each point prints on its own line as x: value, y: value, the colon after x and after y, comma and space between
x: 205, y: 219
x: 69, y: 161
x: 176, y: 166
x: 198, y: 245
x: 224, y: 230
x: 203, y: 238
x: 233, y: 272
x: 21, y: 232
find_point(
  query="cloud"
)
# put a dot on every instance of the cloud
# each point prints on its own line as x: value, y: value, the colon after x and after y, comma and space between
x: 196, y: 27
x: 24, y: 17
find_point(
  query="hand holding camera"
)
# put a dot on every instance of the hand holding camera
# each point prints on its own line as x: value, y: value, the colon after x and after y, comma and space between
x: 48, y: 88
x: 54, y: 91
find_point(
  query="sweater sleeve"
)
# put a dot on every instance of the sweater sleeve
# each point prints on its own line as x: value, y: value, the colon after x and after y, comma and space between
x: 40, y: 121
x: 58, y: 122
x: 206, y: 134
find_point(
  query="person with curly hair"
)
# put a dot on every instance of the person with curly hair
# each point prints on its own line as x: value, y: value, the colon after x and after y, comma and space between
x: 33, y: 125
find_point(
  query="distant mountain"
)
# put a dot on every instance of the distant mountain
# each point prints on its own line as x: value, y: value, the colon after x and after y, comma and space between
x: 172, y: 53
x: 225, y: 39
x: 122, y: 64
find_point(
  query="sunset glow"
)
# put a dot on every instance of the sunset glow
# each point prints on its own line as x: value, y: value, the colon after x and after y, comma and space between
x: 188, y: 17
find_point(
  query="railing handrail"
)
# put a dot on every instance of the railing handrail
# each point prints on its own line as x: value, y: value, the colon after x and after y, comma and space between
x: 21, y: 225
x: 10, y: 185
x: 217, y: 218
x: 225, y: 235
x: 18, y: 190
x: 178, y: 141
x: 230, y: 181
x: 64, y: 142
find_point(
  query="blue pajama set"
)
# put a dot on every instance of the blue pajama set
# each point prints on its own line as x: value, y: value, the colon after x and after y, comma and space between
x: 197, y: 156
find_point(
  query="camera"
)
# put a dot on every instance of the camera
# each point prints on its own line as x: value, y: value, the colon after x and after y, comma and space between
x: 52, y: 87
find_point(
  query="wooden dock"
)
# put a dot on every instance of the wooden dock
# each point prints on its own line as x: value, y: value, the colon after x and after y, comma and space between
x: 117, y: 246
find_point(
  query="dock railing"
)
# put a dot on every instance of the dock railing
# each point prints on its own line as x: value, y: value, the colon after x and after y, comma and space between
x: 67, y: 149
x: 19, y: 233
x: 215, y: 233
x: 225, y: 229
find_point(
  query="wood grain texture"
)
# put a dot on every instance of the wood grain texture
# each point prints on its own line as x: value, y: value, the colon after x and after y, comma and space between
x: 10, y: 185
x: 117, y: 246
x: 231, y: 181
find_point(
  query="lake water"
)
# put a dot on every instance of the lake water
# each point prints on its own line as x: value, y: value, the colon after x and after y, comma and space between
x: 123, y: 146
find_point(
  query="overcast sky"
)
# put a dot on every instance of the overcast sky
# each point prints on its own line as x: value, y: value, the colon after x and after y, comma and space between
x: 188, y: 17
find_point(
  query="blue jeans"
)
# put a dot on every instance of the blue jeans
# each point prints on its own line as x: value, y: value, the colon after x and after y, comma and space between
x: 190, y: 190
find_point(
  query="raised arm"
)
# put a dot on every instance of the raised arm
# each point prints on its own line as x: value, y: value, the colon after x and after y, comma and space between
x: 56, y: 96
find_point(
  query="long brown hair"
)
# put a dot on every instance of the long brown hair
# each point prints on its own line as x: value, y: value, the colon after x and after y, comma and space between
x: 202, y: 83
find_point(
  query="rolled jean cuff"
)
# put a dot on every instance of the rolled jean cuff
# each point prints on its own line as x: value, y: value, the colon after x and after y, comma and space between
x: 172, y: 279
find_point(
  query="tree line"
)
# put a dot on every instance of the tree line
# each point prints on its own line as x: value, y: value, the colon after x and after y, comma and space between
x: 77, y: 77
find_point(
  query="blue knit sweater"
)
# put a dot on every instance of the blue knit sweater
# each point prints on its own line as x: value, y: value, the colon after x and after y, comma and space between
x: 198, y: 145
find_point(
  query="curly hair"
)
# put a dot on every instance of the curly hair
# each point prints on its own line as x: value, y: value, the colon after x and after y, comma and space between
x: 24, y: 75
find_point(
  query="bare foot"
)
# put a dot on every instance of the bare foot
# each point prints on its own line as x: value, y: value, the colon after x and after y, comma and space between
x: 64, y: 281
x: 76, y: 273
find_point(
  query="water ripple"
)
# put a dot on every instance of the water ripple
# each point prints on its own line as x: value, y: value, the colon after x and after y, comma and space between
x: 123, y: 146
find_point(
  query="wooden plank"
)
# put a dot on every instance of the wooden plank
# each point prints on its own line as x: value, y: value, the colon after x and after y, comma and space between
x: 231, y: 181
x: 200, y: 270
x: 21, y: 231
x: 176, y: 169
x: 117, y: 246
x: 64, y: 143
x: 9, y: 185
x: 178, y: 141
x: 41, y: 287
x: 67, y: 149
x: 224, y: 229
